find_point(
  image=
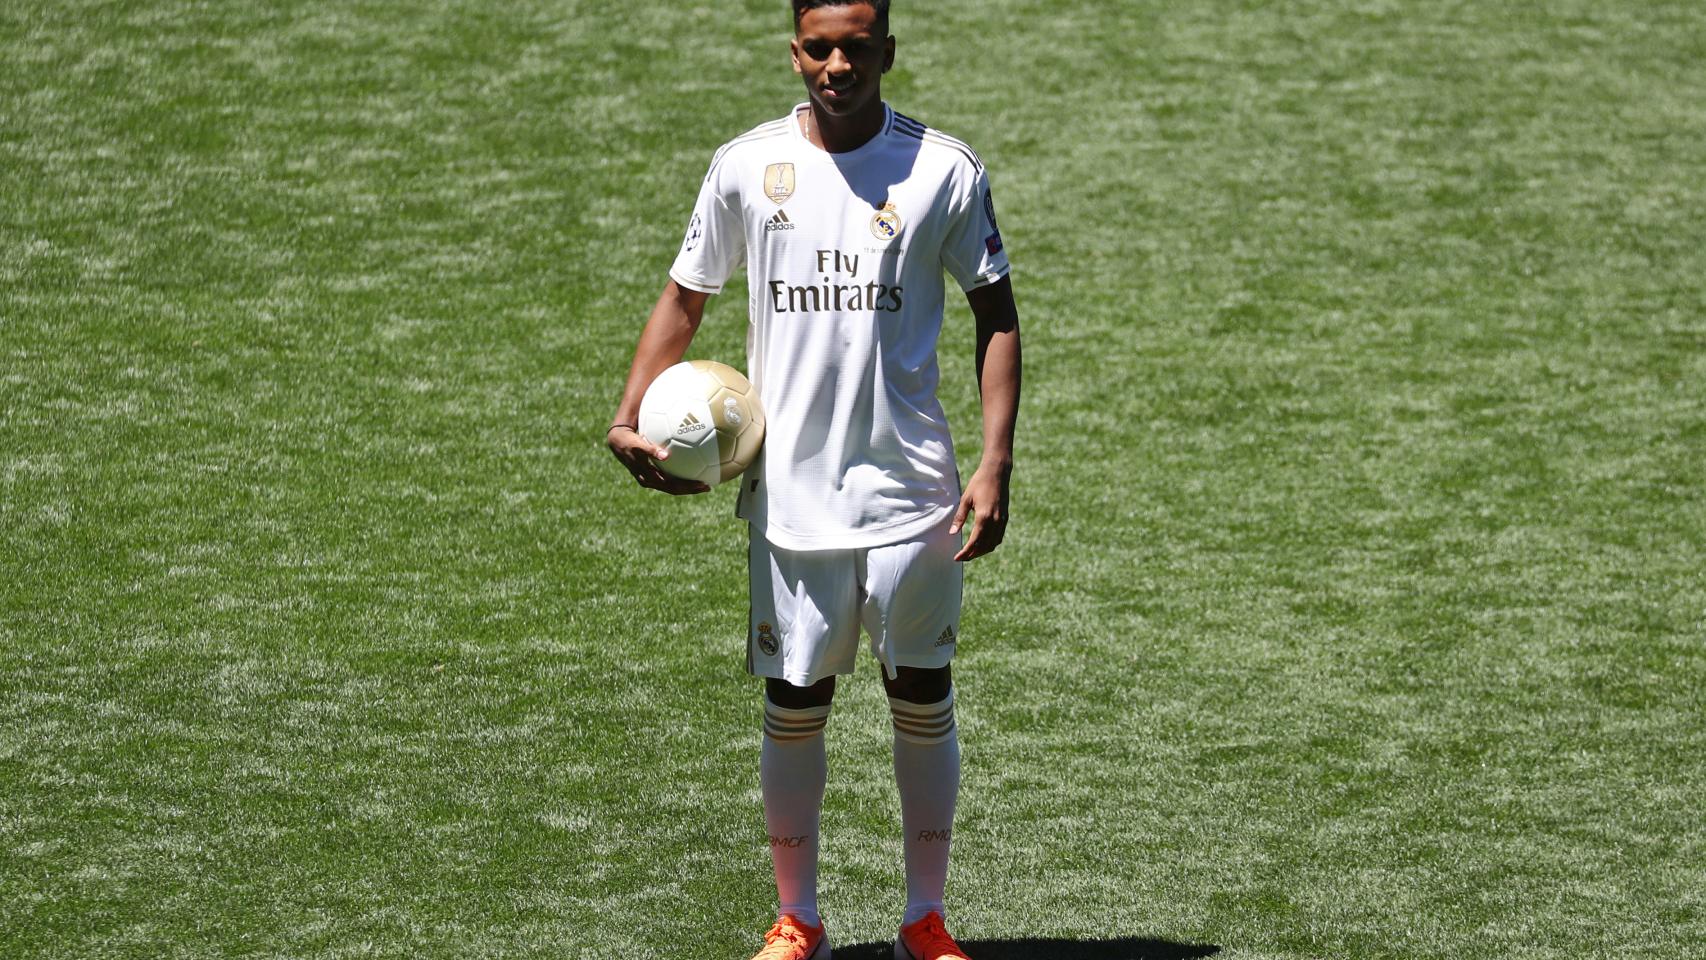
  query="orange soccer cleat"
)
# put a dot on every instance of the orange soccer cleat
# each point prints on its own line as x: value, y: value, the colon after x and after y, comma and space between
x: 791, y: 939
x: 927, y: 939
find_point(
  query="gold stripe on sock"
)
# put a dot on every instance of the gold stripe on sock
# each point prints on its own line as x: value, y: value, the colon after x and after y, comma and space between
x: 941, y: 727
x: 785, y: 722
x: 924, y: 733
x: 779, y: 732
x: 922, y: 717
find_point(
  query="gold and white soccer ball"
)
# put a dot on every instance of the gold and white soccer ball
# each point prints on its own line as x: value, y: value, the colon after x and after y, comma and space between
x: 707, y: 415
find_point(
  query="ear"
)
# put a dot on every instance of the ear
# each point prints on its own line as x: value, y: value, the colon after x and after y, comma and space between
x: 888, y: 53
x: 794, y: 54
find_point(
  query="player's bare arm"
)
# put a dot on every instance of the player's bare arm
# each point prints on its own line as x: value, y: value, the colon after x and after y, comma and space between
x: 662, y: 344
x: 998, y: 376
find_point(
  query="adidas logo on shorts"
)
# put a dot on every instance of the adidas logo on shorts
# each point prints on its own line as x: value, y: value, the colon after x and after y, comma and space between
x: 779, y: 222
x: 946, y: 638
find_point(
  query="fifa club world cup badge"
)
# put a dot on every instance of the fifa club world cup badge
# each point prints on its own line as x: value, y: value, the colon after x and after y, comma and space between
x: 779, y: 182
x: 885, y: 223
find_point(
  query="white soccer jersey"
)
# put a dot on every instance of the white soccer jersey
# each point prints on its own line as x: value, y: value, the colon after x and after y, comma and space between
x: 845, y: 254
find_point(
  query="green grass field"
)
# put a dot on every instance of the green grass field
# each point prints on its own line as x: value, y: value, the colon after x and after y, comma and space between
x: 1353, y: 606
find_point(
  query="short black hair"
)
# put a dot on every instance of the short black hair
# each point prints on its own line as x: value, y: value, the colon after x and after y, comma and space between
x: 801, y: 6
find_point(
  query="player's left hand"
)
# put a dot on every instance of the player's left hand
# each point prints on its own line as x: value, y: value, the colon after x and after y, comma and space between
x: 985, y: 501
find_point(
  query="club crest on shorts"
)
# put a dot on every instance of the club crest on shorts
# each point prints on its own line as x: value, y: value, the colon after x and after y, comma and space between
x: 767, y: 639
x: 885, y: 223
x: 779, y: 182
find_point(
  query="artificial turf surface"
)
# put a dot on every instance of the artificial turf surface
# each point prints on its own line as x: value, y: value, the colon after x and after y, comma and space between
x: 1352, y: 607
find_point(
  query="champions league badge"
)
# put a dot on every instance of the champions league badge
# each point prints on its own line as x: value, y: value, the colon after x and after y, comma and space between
x: 885, y: 223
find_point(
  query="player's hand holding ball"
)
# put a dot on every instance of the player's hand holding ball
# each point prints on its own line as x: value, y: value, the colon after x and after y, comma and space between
x: 700, y: 424
x: 641, y: 457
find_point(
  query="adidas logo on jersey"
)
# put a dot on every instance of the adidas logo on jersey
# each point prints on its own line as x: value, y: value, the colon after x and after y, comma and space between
x: 779, y: 222
x: 689, y: 424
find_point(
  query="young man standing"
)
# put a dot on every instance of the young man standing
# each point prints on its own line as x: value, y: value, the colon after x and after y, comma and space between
x: 846, y: 214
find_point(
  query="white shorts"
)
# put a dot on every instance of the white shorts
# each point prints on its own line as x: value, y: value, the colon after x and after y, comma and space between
x: 808, y: 605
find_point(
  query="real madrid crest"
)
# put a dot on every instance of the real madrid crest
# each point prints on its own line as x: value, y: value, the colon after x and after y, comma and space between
x: 885, y: 223
x: 779, y: 182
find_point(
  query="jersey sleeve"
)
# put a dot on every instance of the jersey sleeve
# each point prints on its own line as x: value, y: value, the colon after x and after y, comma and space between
x: 972, y: 252
x: 715, y: 244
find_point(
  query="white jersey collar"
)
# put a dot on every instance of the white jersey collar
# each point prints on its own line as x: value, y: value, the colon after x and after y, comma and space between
x: 860, y: 150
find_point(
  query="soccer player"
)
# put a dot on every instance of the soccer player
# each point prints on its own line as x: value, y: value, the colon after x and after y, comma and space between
x: 846, y: 215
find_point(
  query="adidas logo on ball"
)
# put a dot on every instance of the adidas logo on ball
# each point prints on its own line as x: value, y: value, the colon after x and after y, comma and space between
x: 690, y: 424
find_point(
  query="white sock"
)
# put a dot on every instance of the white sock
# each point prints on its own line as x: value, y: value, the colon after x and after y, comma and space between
x: 927, y: 771
x: 792, y: 772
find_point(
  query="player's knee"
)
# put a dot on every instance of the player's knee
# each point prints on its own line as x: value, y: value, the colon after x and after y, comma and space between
x: 919, y: 684
x: 802, y: 717
x: 924, y: 721
x: 789, y: 697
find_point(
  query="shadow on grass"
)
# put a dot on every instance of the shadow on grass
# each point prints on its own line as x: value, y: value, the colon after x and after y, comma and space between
x: 1124, y: 948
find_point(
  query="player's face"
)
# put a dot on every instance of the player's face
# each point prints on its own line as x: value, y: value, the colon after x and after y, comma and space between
x: 841, y: 52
